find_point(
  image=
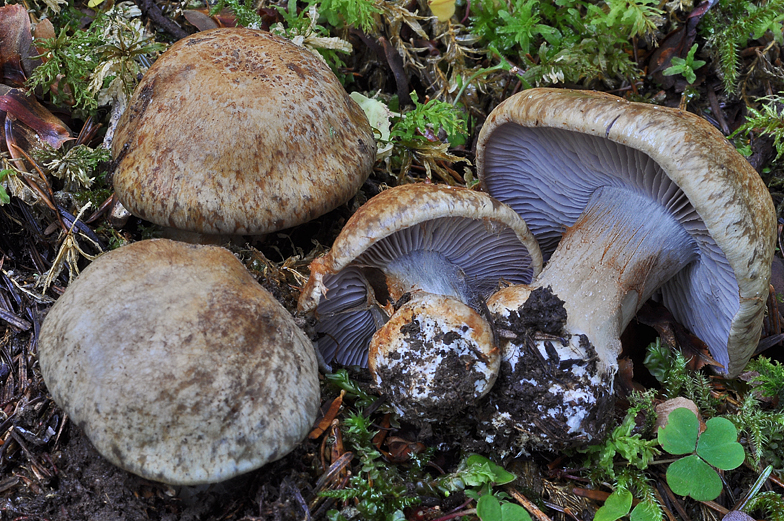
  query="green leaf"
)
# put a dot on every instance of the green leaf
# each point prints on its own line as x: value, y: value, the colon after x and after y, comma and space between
x: 679, y: 436
x: 691, y: 476
x: 719, y: 446
x: 616, y: 506
x: 488, y: 508
x: 485, y: 471
x: 4, y: 197
x: 646, y: 511
x: 514, y: 512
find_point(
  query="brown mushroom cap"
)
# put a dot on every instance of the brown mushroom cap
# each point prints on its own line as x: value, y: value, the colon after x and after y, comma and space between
x: 548, y: 153
x: 238, y: 131
x: 178, y: 365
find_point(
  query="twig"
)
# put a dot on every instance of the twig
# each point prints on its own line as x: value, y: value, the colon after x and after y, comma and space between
x: 528, y: 505
x: 150, y: 9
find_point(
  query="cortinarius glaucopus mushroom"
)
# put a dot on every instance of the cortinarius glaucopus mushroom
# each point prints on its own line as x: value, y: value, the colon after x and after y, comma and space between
x: 239, y: 132
x: 432, y: 238
x: 178, y: 365
x: 640, y: 200
x: 419, y: 240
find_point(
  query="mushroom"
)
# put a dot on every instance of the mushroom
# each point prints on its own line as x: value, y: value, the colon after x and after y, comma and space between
x: 178, y: 365
x: 236, y: 131
x: 629, y: 201
x: 418, y: 241
x: 432, y: 238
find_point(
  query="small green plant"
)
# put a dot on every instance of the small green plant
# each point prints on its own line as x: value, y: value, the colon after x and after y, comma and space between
x: 4, y: 197
x: 74, y: 165
x: 729, y: 26
x: 670, y: 368
x: 476, y: 476
x: 763, y: 432
x: 685, y: 66
x: 342, y: 380
x: 694, y: 475
x: 353, y: 13
x: 625, y: 441
x: 244, y: 11
x: 303, y: 28
x: 70, y: 58
x: 87, y: 68
x: 379, y: 492
x: 566, y: 40
x: 767, y: 121
x: 425, y: 121
x: 771, y: 503
x: 619, y: 504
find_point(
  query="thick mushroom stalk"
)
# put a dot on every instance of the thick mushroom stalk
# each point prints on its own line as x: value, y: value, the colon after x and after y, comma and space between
x: 619, y: 251
x: 629, y: 201
x: 622, y: 248
x: 548, y: 152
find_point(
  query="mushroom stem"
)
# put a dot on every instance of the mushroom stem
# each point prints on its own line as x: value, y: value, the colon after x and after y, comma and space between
x: 429, y: 271
x: 620, y: 250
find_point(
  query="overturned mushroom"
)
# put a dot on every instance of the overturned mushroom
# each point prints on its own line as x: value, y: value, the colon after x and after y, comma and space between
x: 651, y: 199
x: 630, y: 201
x: 178, y: 365
x: 437, y: 239
x: 237, y: 131
x: 408, y: 241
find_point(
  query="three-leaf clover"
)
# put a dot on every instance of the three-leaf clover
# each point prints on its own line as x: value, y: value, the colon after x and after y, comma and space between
x: 717, y: 447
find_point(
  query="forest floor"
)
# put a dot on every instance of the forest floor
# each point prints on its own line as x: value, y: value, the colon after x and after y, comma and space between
x: 721, y: 60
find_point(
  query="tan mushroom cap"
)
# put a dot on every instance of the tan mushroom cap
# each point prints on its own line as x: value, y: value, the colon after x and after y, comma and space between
x: 178, y: 365
x: 726, y: 193
x: 238, y: 131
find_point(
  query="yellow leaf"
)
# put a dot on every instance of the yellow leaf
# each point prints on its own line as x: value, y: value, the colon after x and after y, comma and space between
x: 442, y: 9
x: 94, y: 3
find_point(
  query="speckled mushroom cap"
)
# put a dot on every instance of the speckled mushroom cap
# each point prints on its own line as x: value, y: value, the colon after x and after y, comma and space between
x: 238, y: 131
x: 434, y: 238
x: 545, y: 152
x: 178, y: 365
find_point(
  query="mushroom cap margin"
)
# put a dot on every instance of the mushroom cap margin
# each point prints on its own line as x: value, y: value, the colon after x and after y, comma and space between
x: 403, y: 207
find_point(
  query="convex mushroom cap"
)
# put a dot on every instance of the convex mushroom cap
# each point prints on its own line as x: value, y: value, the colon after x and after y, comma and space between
x: 238, y: 131
x: 645, y: 200
x: 178, y: 365
x: 418, y: 237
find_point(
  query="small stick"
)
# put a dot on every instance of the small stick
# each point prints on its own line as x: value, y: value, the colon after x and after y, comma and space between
x: 528, y: 505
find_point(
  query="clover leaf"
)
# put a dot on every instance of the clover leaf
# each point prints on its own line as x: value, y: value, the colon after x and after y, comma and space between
x: 694, y: 475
